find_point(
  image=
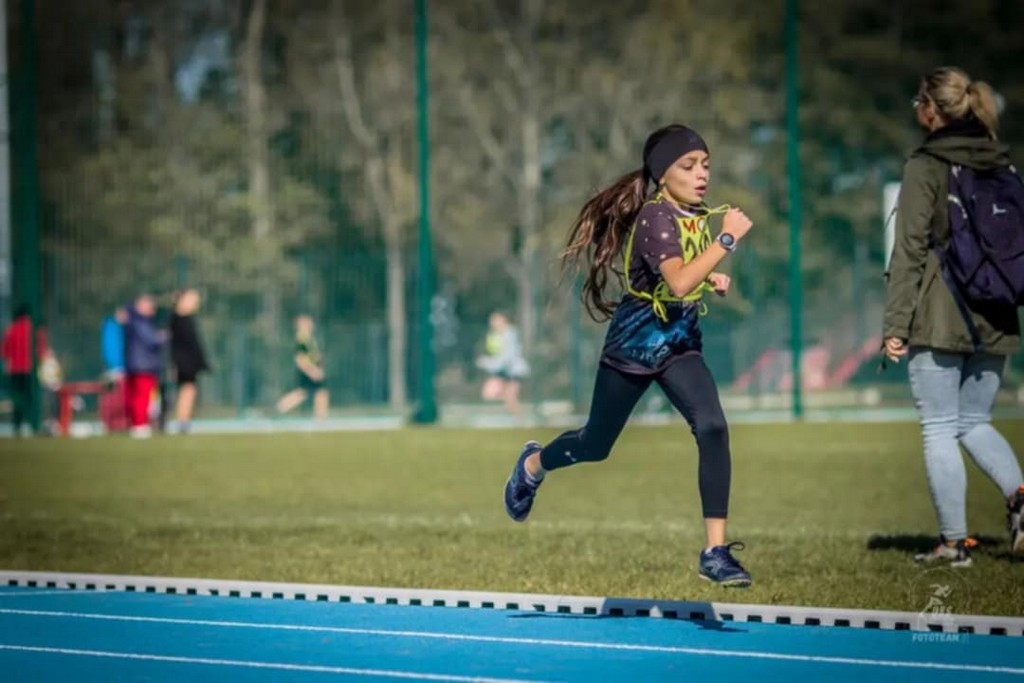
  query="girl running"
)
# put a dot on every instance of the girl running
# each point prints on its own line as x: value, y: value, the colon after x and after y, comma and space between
x: 669, y: 256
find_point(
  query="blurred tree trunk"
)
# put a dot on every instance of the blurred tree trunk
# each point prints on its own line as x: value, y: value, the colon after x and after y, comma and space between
x: 385, y: 173
x: 523, y: 95
x: 261, y: 205
x: 528, y: 200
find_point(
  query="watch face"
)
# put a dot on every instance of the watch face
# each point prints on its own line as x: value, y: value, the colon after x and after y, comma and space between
x: 726, y: 239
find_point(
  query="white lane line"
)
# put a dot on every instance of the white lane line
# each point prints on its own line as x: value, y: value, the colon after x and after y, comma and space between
x: 751, y: 654
x: 57, y: 591
x: 312, y: 668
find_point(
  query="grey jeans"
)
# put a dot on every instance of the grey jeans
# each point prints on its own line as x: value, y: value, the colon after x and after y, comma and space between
x: 954, y: 394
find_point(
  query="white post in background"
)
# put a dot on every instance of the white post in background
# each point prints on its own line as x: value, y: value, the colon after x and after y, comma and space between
x: 5, y: 174
x: 890, y: 193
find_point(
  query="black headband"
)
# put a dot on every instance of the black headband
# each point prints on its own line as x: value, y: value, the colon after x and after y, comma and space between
x: 665, y: 146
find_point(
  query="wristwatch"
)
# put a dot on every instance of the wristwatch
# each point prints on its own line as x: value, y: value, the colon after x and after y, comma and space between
x: 727, y: 241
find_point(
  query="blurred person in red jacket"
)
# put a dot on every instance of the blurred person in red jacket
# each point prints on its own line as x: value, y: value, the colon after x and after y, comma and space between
x: 17, y: 358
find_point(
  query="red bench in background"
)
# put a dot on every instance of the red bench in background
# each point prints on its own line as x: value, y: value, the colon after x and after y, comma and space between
x: 111, y: 400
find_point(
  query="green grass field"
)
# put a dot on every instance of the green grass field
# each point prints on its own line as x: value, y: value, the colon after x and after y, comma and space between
x: 831, y: 514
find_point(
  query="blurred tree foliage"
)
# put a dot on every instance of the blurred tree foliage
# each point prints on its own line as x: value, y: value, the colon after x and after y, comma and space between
x: 277, y: 158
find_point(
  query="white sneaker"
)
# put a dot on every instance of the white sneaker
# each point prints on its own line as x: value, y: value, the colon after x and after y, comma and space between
x: 141, y: 432
x: 959, y: 555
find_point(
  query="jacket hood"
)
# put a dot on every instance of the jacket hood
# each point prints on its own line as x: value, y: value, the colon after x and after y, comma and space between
x: 966, y: 143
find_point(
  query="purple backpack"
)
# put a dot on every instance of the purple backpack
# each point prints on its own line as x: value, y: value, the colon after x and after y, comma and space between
x: 985, y: 254
x: 984, y: 261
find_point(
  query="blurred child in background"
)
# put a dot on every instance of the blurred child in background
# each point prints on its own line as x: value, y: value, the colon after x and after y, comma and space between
x: 187, y: 355
x: 309, y: 366
x: 504, y: 363
x: 143, y: 355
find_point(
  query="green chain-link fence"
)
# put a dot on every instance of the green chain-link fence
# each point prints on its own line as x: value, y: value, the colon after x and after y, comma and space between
x: 265, y: 152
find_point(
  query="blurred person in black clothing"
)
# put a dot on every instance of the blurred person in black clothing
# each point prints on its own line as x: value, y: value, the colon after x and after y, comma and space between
x: 187, y: 355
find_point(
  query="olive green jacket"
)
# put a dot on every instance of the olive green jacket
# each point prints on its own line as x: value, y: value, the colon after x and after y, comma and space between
x: 919, y: 307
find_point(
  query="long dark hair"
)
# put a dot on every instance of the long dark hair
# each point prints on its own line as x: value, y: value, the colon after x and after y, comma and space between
x: 598, y: 235
x: 602, y: 228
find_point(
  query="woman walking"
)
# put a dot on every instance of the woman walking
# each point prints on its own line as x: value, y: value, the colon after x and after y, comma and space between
x: 955, y: 368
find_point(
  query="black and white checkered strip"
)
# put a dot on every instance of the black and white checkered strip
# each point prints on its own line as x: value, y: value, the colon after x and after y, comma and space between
x: 627, y: 607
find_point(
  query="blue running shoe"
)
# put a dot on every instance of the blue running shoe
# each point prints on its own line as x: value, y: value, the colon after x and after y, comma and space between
x: 719, y: 566
x: 519, y: 493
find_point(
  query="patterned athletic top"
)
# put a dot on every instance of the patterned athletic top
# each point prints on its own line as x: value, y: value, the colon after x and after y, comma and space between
x: 644, y: 336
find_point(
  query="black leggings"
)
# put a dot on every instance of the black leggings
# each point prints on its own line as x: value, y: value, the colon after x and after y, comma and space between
x: 21, y: 398
x: 690, y: 387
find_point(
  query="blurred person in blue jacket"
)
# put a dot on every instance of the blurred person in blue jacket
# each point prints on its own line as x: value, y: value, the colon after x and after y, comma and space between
x: 112, y: 344
x: 113, y: 409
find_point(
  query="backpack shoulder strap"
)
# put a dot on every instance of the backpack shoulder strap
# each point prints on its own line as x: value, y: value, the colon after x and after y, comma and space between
x: 940, y: 253
x: 947, y: 276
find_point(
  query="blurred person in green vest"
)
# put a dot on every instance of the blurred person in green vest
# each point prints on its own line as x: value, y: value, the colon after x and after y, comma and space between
x: 503, y: 362
x: 309, y: 366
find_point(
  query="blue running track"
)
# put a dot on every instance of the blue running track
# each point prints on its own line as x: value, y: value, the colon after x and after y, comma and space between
x: 64, y: 635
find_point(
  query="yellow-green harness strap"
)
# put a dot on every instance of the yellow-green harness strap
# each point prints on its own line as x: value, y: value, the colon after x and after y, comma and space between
x: 661, y: 293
